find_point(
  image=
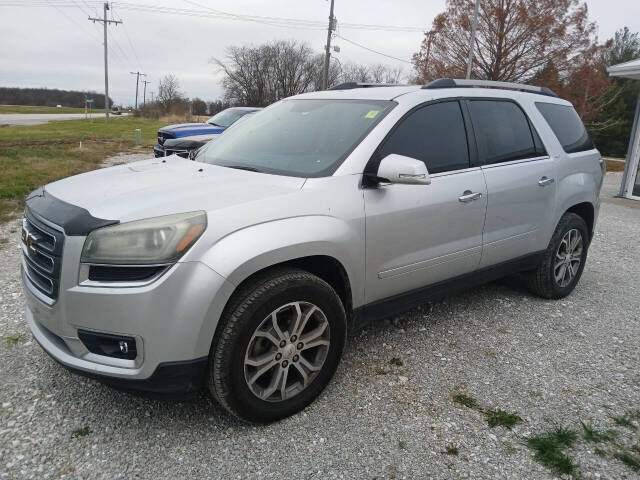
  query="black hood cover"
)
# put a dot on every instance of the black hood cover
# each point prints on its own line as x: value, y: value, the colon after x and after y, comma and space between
x: 75, y: 221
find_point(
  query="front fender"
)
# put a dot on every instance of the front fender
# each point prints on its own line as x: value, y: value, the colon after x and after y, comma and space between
x: 249, y: 250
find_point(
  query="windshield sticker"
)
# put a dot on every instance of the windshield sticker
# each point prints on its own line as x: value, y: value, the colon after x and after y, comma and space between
x: 372, y: 114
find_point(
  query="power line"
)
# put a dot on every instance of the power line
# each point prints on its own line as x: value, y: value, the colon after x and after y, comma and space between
x: 210, y: 12
x: 372, y: 50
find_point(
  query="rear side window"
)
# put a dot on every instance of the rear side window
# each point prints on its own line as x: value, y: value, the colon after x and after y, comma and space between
x: 434, y: 134
x: 566, y: 124
x: 502, y: 131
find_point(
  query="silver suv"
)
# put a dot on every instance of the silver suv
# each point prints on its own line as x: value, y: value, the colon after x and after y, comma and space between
x: 244, y: 270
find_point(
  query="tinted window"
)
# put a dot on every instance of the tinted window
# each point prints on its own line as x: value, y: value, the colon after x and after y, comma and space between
x: 305, y: 138
x: 566, y: 124
x: 434, y: 134
x: 502, y: 131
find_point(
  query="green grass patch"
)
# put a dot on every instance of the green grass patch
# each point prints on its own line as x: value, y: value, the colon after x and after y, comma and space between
x: 629, y: 460
x: 549, y: 450
x: 499, y: 417
x: 80, y: 432
x: 600, y: 452
x: 465, y: 400
x: 452, y: 450
x: 626, y: 420
x: 13, y: 339
x: 34, y: 155
x: 396, y: 361
x: 591, y: 434
x: 402, y: 445
x: 40, y: 109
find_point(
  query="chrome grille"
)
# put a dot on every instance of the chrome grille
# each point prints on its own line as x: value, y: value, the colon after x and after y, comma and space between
x: 42, y: 254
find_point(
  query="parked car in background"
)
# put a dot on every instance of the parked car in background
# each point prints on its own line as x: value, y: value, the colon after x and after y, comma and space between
x: 201, y: 132
x: 242, y: 271
x: 187, y: 147
x: 116, y: 110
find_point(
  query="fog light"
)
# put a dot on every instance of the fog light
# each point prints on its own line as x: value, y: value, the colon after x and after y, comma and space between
x: 109, y: 345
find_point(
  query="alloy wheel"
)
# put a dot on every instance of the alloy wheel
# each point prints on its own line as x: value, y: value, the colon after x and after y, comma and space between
x: 287, y: 351
x: 568, y: 257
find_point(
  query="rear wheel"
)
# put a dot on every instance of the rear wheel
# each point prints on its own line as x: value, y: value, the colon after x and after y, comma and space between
x: 279, y: 344
x: 563, y: 261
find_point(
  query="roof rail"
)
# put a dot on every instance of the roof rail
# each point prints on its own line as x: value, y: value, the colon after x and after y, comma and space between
x: 351, y: 85
x: 464, y: 83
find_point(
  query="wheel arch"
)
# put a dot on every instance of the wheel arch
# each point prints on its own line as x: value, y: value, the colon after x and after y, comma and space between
x: 585, y: 210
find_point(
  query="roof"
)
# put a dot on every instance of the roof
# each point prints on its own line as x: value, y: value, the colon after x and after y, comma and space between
x: 629, y: 69
x: 372, y: 93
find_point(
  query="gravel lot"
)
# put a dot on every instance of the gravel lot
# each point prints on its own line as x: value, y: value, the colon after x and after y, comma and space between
x: 551, y: 362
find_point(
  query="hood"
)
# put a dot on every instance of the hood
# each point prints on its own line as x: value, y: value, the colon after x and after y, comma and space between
x: 168, y: 185
x: 188, y: 129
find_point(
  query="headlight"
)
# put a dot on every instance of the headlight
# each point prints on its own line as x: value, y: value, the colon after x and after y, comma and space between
x: 155, y: 240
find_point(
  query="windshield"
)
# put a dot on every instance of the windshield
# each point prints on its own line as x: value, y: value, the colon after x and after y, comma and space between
x: 303, y: 138
x: 227, y: 117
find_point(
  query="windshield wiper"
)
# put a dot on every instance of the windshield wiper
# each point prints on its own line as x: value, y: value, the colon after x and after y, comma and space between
x: 242, y: 167
x: 214, y: 124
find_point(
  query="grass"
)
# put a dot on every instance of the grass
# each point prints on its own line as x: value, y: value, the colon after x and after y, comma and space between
x: 626, y: 420
x: 13, y: 339
x: 396, y: 361
x: 591, y: 434
x: 80, y: 432
x: 465, y: 400
x: 402, y: 445
x: 613, y: 166
x: 600, y: 452
x: 501, y: 418
x: 629, y: 460
x: 31, y: 156
x: 452, y: 450
x: 40, y: 109
x: 549, y: 449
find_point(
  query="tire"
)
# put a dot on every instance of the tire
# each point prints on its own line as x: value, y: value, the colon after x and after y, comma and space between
x: 247, y: 327
x: 543, y: 281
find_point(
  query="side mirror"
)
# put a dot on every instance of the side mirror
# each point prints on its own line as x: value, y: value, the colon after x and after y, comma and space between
x: 396, y: 168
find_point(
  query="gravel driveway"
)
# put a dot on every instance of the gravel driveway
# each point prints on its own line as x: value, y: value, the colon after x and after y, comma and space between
x: 550, y: 362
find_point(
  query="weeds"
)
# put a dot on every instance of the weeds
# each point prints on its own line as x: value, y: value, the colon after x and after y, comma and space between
x: 396, y: 361
x: 465, y: 400
x: 629, y: 460
x: 80, y: 432
x: 452, y: 450
x: 13, y: 339
x: 549, y: 449
x: 626, y: 420
x: 591, y: 434
x: 501, y: 418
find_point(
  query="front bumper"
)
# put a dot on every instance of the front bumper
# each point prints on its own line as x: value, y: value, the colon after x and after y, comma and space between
x: 158, y: 150
x: 172, y: 320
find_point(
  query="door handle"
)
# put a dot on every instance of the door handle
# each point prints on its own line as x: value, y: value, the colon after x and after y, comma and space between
x: 469, y: 196
x: 544, y: 181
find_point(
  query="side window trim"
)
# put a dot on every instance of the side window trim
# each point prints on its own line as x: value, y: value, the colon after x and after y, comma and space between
x: 374, y: 162
x: 540, y: 155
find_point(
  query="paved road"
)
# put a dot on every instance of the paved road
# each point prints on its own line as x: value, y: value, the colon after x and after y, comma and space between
x: 550, y: 362
x: 39, y: 118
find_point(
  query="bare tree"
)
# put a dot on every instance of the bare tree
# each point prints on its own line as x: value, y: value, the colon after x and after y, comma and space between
x: 169, y: 91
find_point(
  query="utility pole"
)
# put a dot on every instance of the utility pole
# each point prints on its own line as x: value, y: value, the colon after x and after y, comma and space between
x: 105, y: 22
x: 327, y: 47
x: 473, y: 37
x: 137, y: 74
x: 144, y: 94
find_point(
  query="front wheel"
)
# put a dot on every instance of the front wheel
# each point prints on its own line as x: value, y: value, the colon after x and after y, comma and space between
x: 563, y: 261
x: 279, y: 344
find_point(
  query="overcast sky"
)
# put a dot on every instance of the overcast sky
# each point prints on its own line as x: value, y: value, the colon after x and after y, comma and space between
x: 59, y: 48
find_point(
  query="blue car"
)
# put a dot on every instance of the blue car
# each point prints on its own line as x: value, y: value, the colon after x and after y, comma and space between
x: 201, y: 131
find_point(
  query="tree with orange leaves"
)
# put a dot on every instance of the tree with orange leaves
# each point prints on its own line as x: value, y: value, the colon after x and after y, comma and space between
x: 550, y: 42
